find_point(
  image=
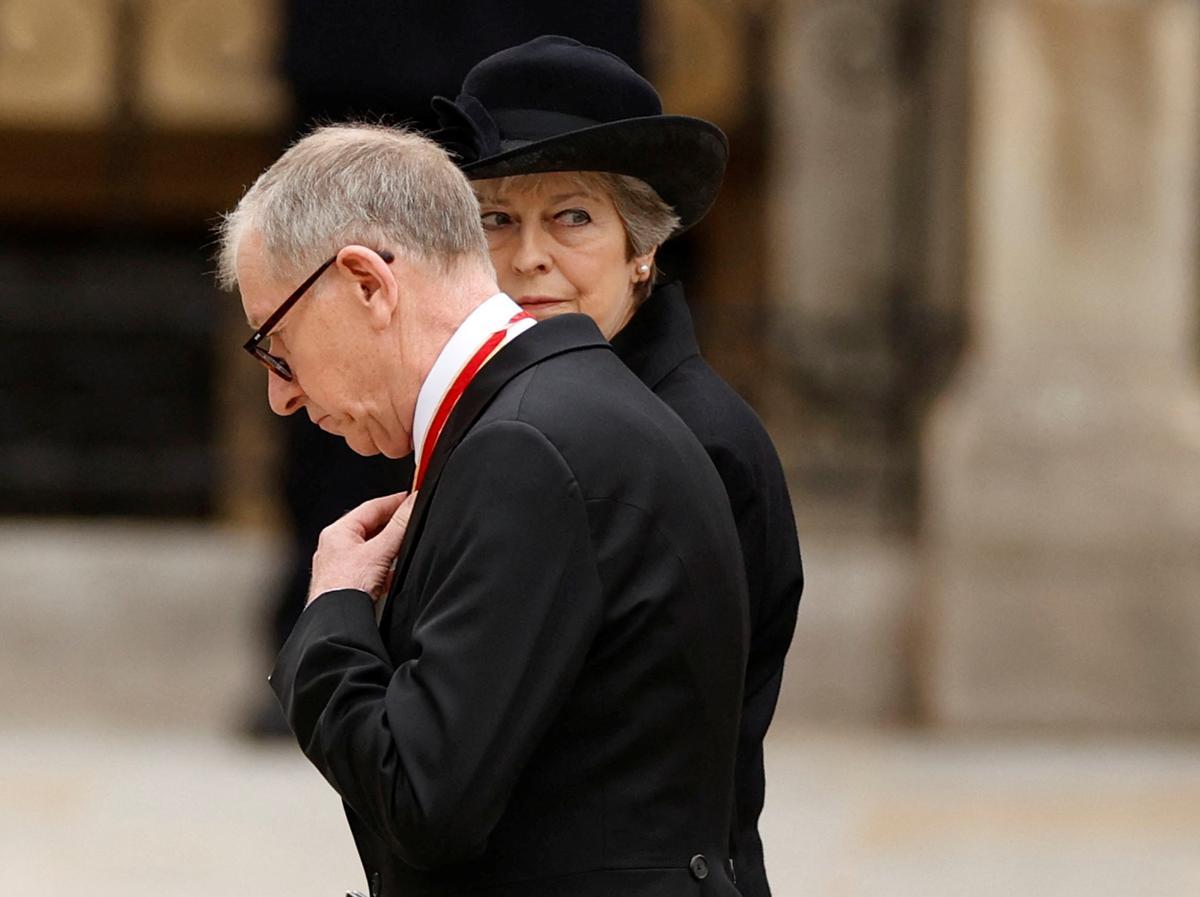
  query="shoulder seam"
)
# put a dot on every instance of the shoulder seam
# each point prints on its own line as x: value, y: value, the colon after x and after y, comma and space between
x: 525, y: 425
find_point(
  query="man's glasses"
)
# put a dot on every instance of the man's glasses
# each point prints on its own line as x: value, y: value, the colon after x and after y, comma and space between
x: 254, y: 344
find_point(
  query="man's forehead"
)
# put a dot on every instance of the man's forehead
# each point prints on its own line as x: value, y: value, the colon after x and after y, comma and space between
x: 250, y: 255
x: 254, y: 280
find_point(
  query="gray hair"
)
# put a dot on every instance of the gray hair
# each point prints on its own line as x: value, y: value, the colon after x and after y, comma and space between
x: 383, y: 187
x: 649, y: 221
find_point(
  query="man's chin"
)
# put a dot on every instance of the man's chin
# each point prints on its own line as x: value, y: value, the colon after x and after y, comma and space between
x: 364, y: 447
x: 395, y: 452
x: 367, y: 447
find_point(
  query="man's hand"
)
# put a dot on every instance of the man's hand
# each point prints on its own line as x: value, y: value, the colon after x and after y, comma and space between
x: 358, y: 550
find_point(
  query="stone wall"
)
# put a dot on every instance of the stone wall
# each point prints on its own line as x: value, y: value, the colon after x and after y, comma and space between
x: 990, y: 206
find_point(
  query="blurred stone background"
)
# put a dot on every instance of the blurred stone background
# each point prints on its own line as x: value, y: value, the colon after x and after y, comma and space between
x: 954, y: 269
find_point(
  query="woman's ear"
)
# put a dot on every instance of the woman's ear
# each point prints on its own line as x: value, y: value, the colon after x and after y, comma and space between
x: 374, y: 280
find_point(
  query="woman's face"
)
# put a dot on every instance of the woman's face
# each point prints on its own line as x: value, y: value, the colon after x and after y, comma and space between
x: 559, y: 246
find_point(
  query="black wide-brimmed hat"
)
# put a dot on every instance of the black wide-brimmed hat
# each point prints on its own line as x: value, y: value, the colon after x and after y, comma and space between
x: 554, y: 104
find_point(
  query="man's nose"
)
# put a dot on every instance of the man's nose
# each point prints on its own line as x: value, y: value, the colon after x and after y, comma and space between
x: 284, y: 396
x: 532, y: 254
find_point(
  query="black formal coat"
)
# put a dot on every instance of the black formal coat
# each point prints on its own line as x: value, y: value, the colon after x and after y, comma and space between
x: 659, y: 345
x: 550, y: 703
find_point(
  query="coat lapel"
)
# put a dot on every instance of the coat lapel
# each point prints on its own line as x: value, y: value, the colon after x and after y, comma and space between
x: 565, y: 333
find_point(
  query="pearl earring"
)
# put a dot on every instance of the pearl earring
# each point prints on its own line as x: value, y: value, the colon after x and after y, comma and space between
x: 643, y: 269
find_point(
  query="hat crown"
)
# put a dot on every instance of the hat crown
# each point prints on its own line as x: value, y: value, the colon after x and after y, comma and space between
x: 558, y: 74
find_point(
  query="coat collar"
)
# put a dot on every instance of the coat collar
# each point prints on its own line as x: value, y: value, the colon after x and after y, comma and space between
x: 565, y: 333
x: 659, y: 337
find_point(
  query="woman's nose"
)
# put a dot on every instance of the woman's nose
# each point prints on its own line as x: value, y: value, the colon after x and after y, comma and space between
x: 284, y: 396
x: 532, y: 254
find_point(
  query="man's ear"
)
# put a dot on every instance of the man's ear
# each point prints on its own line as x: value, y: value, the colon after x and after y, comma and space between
x: 374, y: 280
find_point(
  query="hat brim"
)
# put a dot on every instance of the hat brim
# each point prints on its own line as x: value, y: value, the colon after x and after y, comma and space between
x: 682, y: 158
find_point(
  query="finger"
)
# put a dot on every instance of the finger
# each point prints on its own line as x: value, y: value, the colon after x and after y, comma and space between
x: 371, y: 516
x: 387, y: 581
x: 394, y: 530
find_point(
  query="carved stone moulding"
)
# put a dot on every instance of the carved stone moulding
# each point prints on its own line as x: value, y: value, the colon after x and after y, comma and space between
x: 57, y: 63
x: 211, y: 64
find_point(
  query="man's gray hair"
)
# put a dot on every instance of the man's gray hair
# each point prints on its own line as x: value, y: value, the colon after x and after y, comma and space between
x: 377, y: 186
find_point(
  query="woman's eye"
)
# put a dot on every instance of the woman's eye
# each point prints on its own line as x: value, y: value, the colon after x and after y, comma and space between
x: 493, y: 220
x: 573, y: 217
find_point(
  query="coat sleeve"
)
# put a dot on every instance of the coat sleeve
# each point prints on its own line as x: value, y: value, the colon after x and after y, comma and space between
x: 766, y: 529
x: 427, y: 753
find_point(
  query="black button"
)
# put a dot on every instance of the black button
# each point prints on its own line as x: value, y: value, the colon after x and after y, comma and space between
x: 699, y: 867
x: 375, y: 889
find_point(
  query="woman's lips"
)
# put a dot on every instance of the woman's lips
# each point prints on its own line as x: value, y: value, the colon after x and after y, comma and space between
x: 540, y: 305
x: 538, y: 301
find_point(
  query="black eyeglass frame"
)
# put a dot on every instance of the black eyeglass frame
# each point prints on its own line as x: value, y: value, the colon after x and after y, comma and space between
x: 274, y: 363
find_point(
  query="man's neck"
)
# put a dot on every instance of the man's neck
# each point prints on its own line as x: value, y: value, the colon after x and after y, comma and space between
x: 431, y: 316
x: 442, y: 314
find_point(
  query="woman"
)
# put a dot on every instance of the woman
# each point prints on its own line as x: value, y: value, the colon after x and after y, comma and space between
x: 580, y: 179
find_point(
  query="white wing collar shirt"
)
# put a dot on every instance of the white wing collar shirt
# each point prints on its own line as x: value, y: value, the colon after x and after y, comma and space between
x: 499, y: 314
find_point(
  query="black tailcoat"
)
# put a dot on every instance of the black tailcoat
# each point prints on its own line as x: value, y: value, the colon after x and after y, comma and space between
x: 659, y: 345
x: 550, y: 704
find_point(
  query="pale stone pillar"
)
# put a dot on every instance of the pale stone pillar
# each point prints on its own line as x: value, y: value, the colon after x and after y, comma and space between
x: 839, y: 116
x: 1063, y: 470
x: 864, y: 197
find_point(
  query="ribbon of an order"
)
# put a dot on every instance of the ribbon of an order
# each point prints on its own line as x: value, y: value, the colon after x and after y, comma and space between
x: 457, y: 388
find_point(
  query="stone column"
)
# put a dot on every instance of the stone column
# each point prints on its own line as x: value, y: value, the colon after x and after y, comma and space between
x: 1062, y: 471
x: 839, y: 117
x: 853, y: 203
x: 863, y: 243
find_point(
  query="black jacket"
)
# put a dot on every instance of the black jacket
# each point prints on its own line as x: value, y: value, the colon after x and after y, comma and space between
x: 659, y: 345
x: 550, y: 704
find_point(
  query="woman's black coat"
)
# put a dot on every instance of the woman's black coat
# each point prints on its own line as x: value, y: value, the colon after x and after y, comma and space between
x: 659, y: 345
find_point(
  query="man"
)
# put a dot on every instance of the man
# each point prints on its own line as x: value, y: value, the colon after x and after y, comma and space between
x: 548, y: 704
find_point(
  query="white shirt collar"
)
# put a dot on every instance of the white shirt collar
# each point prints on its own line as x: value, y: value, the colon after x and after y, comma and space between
x: 492, y: 315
